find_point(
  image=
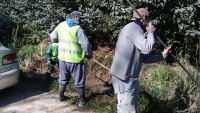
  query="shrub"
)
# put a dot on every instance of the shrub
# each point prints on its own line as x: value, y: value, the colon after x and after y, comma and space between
x: 6, y: 27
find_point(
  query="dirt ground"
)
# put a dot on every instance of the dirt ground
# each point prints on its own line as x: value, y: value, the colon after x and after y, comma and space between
x: 32, y: 95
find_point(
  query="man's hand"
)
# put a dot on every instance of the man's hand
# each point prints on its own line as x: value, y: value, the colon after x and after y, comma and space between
x: 86, y: 56
x: 150, y: 28
x: 167, y: 50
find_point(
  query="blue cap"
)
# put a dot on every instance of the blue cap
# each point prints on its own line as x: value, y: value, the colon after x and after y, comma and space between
x: 76, y: 13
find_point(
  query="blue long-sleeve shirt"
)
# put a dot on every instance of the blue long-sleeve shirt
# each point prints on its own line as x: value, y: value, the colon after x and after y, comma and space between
x: 49, y: 53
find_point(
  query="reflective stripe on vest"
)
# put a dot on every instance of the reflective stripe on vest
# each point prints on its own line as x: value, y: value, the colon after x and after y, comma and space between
x: 69, y: 49
x: 54, y: 51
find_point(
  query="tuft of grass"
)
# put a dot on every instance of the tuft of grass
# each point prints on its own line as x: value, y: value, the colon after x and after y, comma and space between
x: 69, y: 88
x: 101, y: 103
x: 54, y: 86
x: 109, y: 61
x: 72, y: 101
x: 159, y: 82
x: 170, y: 89
x: 25, y: 52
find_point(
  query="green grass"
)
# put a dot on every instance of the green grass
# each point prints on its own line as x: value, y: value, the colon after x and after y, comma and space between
x: 69, y: 88
x: 170, y: 88
x: 25, y: 52
x: 101, y: 103
x: 160, y: 82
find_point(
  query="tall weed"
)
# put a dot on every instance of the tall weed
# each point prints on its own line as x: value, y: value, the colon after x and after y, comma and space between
x: 25, y: 52
x: 170, y: 88
x: 16, y: 43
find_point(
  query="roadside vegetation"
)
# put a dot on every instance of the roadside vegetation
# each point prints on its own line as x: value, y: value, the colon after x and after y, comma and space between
x: 165, y: 87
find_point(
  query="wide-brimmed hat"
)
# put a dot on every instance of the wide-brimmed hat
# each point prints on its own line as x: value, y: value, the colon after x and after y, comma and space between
x: 77, y: 13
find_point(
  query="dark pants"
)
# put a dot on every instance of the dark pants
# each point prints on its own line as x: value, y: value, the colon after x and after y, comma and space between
x: 51, y: 65
x: 76, y: 70
x: 50, y: 69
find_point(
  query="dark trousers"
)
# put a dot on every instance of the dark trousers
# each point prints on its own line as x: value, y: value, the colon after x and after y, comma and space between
x: 51, y: 65
x: 50, y: 69
x: 76, y: 70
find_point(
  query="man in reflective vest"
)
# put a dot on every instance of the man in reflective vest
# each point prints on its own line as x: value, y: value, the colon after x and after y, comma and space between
x: 52, y: 57
x: 73, y: 46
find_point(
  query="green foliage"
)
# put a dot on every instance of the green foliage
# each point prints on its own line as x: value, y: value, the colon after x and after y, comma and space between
x: 159, y: 81
x: 171, y: 91
x: 6, y: 27
x: 25, y: 52
x: 142, y: 102
x: 106, y: 17
x: 54, y: 85
x: 109, y: 62
x: 176, y: 21
x: 69, y: 88
x: 72, y: 101
x: 16, y: 43
x: 33, y: 16
x: 101, y: 103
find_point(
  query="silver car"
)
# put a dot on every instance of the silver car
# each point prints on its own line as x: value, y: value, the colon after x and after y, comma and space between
x: 9, y: 68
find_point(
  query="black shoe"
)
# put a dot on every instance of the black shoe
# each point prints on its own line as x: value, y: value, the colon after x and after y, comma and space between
x: 63, y: 98
x: 81, y: 96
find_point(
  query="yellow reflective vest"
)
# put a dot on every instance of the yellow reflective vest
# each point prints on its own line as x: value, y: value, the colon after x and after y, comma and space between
x: 69, y: 48
x: 54, y: 51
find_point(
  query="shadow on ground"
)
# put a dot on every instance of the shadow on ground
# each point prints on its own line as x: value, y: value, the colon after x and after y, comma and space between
x: 30, y: 84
